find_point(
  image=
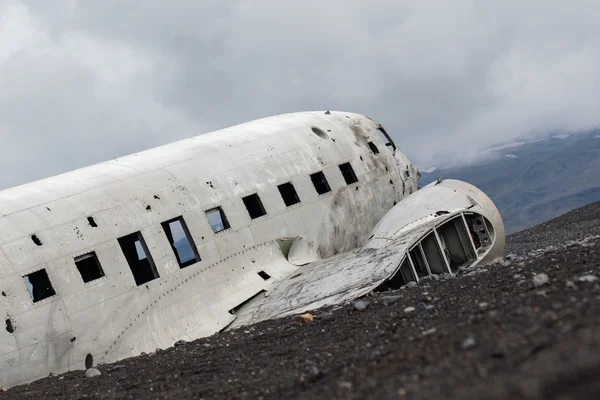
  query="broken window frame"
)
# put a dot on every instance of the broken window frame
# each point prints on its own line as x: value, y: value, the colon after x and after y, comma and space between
x: 98, y: 267
x: 224, y: 220
x: 151, y: 268
x: 291, y: 194
x: 373, y: 147
x: 42, y: 294
x: 348, y: 174
x: 390, y: 142
x: 323, y: 181
x: 258, y: 204
x: 190, y: 242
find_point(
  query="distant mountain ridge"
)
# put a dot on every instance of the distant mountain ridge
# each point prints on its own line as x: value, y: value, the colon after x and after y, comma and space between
x: 532, y: 182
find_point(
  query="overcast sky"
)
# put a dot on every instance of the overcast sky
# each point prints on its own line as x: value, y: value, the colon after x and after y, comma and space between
x: 86, y: 81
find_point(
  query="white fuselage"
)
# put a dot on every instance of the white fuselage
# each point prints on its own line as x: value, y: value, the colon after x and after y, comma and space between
x: 51, y: 224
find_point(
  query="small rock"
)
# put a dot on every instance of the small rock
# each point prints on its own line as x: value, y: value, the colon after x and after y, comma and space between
x: 180, y: 343
x: 92, y: 372
x: 426, y: 280
x: 361, y: 305
x: 115, y: 368
x: 206, y: 344
x: 468, y: 343
x: 422, y: 307
x: 446, y: 276
x: 571, y: 285
x: 429, y: 332
x: 540, y: 280
x: 387, y: 300
x: 409, y: 310
x: 587, y: 278
x: 325, y: 315
x: 483, y: 306
x: 411, y: 284
x: 4, y: 390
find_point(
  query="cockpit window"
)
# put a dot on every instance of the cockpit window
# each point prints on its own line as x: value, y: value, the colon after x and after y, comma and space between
x: 386, y: 138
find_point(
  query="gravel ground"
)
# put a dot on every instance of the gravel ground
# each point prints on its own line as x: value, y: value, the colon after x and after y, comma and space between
x: 523, y: 329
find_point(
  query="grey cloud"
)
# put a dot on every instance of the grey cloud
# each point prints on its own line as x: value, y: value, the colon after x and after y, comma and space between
x: 446, y: 78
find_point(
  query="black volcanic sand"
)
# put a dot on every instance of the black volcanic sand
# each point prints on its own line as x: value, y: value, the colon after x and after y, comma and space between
x: 489, y: 333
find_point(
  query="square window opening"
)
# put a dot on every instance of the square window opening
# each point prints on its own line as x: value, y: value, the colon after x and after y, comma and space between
x: 320, y: 182
x: 217, y: 219
x: 264, y: 275
x: 39, y: 285
x: 89, y: 267
x: 348, y: 173
x: 181, y: 242
x: 373, y: 148
x: 139, y: 258
x: 254, y: 206
x: 288, y: 193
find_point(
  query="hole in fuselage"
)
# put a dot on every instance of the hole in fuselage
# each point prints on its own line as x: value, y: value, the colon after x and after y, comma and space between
x: 89, y: 361
x: 9, y: 326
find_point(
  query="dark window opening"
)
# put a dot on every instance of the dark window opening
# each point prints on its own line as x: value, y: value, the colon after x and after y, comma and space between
x: 435, y: 258
x: 92, y: 222
x: 36, y: 240
x: 373, y: 148
x: 9, y: 326
x: 456, y: 243
x: 89, y: 267
x: 348, y: 173
x: 39, y: 285
x: 181, y: 242
x: 89, y: 361
x: 419, y: 261
x: 288, y: 193
x: 320, y: 182
x: 264, y: 275
x: 217, y: 219
x: 386, y: 138
x: 254, y: 206
x: 319, y: 132
x: 139, y: 258
x: 401, y: 278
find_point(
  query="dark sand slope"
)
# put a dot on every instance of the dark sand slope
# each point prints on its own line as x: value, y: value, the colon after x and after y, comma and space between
x: 488, y: 333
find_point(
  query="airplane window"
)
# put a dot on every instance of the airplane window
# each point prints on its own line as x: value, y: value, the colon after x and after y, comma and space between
x: 348, y: 173
x: 254, y: 206
x: 39, y: 285
x: 320, y: 182
x: 89, y: 267
x: 319, y: 132
x: 288, y: 193
x: 181, y: 242
x: 139, y: 259
x: 217, y: 219
x: 386, y: 138
x: 373, y: 148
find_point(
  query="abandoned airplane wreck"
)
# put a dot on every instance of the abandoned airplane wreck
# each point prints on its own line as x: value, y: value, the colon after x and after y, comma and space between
x: 256, y: 221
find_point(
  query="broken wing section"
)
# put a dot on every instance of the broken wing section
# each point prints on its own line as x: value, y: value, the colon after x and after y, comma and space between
x: 436, y: 230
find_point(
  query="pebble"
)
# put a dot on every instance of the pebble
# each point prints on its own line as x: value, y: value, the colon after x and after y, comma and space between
x: 387, y: 300
x: 92, y: 372
x: 180, y: 343
x: 587, y: 278
x: 540, y: 280
x: 409, y: 309
x: 468, y: 343
x: 411, y: 284
x: 361, y: 305
x: 483, y: 306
